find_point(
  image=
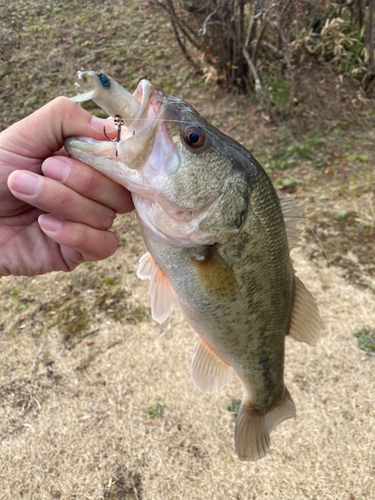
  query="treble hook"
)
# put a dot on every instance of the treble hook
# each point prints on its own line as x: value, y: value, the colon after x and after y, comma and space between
x: 120, y: 123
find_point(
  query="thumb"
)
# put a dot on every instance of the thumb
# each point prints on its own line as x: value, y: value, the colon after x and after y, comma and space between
x: 44, y: 132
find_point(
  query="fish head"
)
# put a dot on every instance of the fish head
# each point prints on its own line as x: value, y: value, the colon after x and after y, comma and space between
x: 179, y: 168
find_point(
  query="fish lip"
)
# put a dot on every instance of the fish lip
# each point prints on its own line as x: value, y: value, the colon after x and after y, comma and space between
x: 90, y: 145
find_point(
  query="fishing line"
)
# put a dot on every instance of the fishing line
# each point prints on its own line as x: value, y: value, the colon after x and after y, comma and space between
x: 321, y: 245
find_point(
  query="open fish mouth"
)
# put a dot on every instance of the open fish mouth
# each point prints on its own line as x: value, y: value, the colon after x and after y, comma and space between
x: 137, y: 118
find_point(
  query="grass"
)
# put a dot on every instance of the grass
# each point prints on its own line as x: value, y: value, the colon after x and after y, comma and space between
x: 125, y: 486
x: 75, y: 309
x: 234, y: 407
x: 277, y: 90
x: 43, y: 46
x: 366, y: 340
x: 155, y: 411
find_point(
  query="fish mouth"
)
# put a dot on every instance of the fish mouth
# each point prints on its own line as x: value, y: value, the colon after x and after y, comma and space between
x: 134, y: 142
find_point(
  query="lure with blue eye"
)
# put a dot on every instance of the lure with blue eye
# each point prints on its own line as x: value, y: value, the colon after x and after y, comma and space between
x: 104, y: 80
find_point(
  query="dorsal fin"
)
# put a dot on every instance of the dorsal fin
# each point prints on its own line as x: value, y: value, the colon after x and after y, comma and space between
x: 292, y: 215
x: 305, y: 322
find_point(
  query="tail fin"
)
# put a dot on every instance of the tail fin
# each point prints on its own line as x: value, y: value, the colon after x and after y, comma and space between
x: 252, y: 434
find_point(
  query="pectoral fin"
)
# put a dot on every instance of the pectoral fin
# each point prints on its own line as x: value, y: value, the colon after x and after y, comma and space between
x: 208, y: 371
x: 160, y: 290
x: 214, y: 273
x: 146, y: 265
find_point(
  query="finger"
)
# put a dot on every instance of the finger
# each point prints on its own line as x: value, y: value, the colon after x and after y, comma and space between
x: 57, y: 199
x: 88, y: 182
x: 44, y: 131
x: 90, y: 244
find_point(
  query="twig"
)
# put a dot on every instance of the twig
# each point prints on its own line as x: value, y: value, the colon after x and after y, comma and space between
x: 312, y: 22
x: 172, y: 16
x: 258, y: 85
x: 202, y: 31
x: 371, y: 36
x: 83, y: 336
x: 181, y: 45
x: 289, y: 66
x: 251, y: 23
x: 276, y: 52
x: 262, y: 30
x: 182, y: 29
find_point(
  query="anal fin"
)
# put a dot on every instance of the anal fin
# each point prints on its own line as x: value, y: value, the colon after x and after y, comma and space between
x: 253, y: 427
x: 160, y: 290
x: 208, y: 371
x: 305, y: 322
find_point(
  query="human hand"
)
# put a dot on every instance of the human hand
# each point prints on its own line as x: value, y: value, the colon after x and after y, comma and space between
x: 55, y: 221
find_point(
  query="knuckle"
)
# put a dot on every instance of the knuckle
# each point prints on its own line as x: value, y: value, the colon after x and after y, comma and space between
x: 61, y: 105
x: 90, y: 184
x: 95, y: 244
x: 76, y: 239
x: 109, y: 244
x: 107, y: 219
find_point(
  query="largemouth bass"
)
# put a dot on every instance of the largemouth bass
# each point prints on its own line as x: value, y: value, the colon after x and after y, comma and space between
x: 217, y: 238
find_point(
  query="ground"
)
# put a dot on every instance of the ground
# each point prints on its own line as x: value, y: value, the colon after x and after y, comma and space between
x: 95, y: 398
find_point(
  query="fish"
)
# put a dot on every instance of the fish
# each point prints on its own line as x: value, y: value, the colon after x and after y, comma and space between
x: 218, y: 237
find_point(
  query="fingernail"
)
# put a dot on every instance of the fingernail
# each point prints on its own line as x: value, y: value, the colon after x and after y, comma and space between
x: 56, y: 168
x: 100, y: 123
x: 49, y: 223
x: 24, y: 182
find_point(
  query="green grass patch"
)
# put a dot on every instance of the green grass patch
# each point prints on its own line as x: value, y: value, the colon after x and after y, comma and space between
x: 277, y: 89
x: 366, y: 340
x: 155, y: 411
x: 234, y: 407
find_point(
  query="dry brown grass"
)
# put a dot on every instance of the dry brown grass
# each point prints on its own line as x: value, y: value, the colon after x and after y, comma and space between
x: 74, y: 418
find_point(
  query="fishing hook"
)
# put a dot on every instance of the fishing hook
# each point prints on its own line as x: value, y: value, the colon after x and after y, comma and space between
x: 119, y: 122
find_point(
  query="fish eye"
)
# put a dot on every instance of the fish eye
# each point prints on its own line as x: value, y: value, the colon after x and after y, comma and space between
x: 194, y: 137
x: 104, y: 80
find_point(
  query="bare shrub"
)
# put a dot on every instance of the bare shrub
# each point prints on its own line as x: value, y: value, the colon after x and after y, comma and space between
x: 242, y: 43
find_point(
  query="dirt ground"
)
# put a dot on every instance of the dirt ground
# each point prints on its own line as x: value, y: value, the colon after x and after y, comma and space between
x: 96, y: 400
